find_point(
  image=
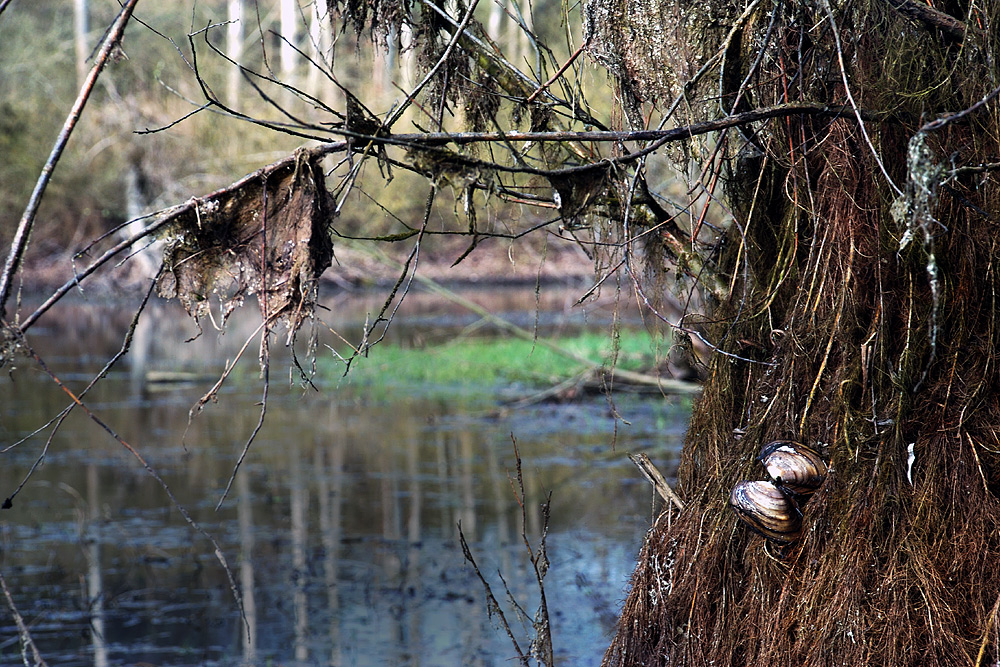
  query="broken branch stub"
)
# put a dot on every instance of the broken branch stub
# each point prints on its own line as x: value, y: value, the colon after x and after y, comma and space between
x: 269, y: 236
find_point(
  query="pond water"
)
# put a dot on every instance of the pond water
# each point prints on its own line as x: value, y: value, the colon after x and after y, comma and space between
x: 342, y: 527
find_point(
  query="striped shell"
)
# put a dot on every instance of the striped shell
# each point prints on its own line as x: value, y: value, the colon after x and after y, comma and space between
x: 793, y: 467
x: 767, y: 510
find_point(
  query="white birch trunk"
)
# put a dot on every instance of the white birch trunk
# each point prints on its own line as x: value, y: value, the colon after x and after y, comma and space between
x: 81, y: 26
x: 288, y: 29
x: 321, y: 41
x: 234, y: 49
x: 527, y: 50
x: 496, y: 18
x: 407, y: 60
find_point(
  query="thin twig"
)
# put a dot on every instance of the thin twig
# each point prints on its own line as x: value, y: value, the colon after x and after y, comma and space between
x: 959, y: 115
x: 391, y: 120
x: 22, y: 629
x: 220, y: 556
x: 492, y: 605
x: 850, y: 98
x: 265, y: 357
x: 976, y: 169
x: 61, y: 417
x: 656, y: 478
x: 541, y: 644
x: 213, y: 392
x: 555, y: 77
x: 79, y: 277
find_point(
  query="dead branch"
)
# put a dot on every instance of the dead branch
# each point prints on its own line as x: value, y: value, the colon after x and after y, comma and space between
x: 266, y: 381
x: 931, y: 18
x: 432, y: 142
x: 58, y: 420
x: 656, y: 478
x: 219, y: 555
x: 660, y: 137
x: 540, y: 647
x: 22, y: 629
x: 492, y: 605
x: 541, y: 643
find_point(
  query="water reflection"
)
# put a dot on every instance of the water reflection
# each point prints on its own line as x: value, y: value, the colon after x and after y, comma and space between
x: 341, y: 528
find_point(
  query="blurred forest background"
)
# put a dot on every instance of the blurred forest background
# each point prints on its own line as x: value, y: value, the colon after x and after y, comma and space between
x: 114, y: 170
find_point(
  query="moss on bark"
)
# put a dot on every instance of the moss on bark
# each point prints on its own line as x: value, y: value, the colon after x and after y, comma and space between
x: 863, y: 319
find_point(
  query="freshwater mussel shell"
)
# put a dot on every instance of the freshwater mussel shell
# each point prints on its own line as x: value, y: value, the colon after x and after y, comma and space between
x: 794, y: 467
x: 767, y: 510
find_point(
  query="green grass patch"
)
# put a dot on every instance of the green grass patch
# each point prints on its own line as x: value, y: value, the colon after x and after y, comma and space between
x: 492, y: 361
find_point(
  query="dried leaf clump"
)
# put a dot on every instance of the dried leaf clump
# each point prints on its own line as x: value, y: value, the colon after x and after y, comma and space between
x: 268, y: 237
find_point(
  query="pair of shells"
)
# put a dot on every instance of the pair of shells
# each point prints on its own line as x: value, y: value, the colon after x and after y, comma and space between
x: 771, y: 508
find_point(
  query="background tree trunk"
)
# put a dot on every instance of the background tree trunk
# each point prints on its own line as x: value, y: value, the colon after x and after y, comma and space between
x: 321, y: 43
x: 81, y: 27
x: 289, y: 22
x: 234, y: 50
x: 863, y: 319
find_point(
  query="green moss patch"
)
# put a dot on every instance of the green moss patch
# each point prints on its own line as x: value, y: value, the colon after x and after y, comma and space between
x: 469, y: 362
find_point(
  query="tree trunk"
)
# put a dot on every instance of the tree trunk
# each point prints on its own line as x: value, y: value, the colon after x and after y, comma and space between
x: 81, y: 27
x: 863, y: 320
x: 289, y: 32
x: 234, y: 50
x: 321, y: 44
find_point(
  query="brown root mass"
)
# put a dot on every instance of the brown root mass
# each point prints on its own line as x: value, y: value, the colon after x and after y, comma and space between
x: 863, y: 321
x: 268, y: 237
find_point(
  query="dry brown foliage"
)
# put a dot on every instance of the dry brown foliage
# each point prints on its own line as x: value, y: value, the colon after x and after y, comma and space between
x: 269, y: 237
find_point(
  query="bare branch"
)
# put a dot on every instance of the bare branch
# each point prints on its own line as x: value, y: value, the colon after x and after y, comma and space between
x: 103, y: 259
x: 61, y: 417
x: 931, y: 18
x: 959, y: 115
x: 22, y: 628
x: 493, y: 606
x: 656, y: 478
x: 220, y: 556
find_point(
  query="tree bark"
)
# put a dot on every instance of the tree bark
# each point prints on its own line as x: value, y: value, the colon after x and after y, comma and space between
x: 862, y: 320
